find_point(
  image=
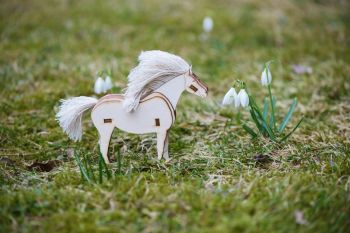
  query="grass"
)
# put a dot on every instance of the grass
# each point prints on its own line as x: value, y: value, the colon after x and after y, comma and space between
x: 219, y: 180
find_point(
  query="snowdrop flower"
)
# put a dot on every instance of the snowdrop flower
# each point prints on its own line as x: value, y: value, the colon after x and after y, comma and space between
x: 99, y: 86
x: 237, y: 102
x: 107, y: 84
x: 208, y: 24
x: 230, y: 97
x: 266, y: 78
x: 243, y: 98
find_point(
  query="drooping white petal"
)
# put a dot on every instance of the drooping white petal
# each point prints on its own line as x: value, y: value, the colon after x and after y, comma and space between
x: 208, y: 24
x: 237, y: 102
x: 99, y: 86
x: 230, y: 96
x: 266, y: 77
x: 107, y: 84
x: 243, y: 98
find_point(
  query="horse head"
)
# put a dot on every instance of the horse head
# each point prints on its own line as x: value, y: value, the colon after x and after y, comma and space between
x: 194, y: 85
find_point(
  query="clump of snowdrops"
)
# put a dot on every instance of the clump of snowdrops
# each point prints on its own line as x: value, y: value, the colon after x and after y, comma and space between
x: 264, y: 118
x: 103, y: 82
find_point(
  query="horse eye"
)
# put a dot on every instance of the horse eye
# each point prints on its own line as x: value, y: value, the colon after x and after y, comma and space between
x: 193, y: 88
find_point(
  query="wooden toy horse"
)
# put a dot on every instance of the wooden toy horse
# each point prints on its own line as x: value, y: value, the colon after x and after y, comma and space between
x: 148, y: 105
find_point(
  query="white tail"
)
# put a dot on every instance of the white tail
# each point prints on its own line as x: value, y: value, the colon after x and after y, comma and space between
x: 70, y: 114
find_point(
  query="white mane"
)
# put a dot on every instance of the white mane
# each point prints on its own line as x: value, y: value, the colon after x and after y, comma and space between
x: 155, y: 69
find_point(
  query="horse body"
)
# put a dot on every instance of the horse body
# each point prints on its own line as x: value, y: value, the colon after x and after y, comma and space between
x: 148, y: 106
x: 155, y: 114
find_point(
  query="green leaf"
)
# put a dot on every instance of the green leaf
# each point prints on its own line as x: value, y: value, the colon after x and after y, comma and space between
x: 253, y: 108
x: 87, y: 166
x: 249, y: 130
x: 287, y: 136
x: 256, y: 121
x: 259, y: 120
x: 82, y: 169
x: 266, y: 126
x: 90, y: 169
x: 100, y: 166
x: 106, y: 168
x: 119, y: 161
x: 288, y: 115
x: 266, y: 108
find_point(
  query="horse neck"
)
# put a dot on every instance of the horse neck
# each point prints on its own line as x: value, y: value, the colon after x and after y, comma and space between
x: 173, y: 89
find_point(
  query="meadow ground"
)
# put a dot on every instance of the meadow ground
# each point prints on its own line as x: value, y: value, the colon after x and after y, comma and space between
x: 219, y: 180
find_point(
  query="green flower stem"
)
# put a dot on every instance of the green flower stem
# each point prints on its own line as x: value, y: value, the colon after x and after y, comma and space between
x: 272, y: 107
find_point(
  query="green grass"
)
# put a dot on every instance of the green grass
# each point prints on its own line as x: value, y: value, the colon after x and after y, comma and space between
x: 218, y: 180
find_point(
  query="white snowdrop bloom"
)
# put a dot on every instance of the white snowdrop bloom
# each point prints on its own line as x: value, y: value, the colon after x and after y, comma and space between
x: 266, y: 77
x: 99, y: 86
x: 107, y: 84
x: 230, y: 97
x: 243, y: 98
x: 237, y: 102
x: 208, y: 24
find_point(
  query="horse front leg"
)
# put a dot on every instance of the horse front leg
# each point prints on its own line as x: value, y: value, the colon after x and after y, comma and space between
x: 105, y: 137
x: 166, y: 147
x: 161, y: 138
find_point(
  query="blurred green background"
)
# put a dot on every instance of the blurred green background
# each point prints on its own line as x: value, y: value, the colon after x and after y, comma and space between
x: 215, y: 182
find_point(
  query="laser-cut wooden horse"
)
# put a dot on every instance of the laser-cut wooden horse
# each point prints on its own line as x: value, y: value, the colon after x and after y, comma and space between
x: 148, y: 105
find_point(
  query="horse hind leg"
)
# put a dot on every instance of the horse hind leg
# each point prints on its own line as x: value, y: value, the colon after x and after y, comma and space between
x: 105, y: 133
x: 161, y: 141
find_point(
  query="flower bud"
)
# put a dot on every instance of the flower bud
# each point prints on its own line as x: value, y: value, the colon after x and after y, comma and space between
x: 266, y: 77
